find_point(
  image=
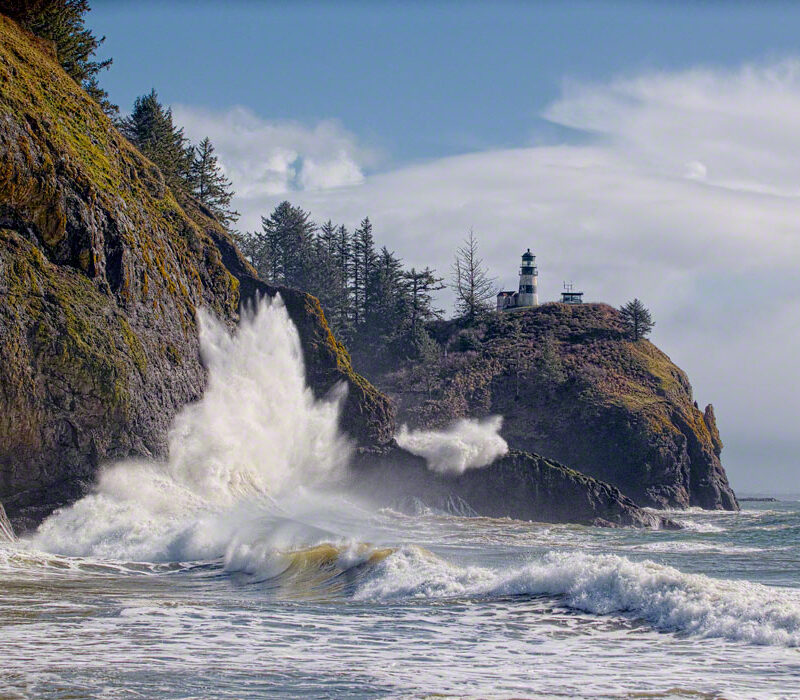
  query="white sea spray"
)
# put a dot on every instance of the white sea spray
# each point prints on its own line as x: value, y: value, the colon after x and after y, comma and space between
x: 467, y: 444
x: 257, y: 435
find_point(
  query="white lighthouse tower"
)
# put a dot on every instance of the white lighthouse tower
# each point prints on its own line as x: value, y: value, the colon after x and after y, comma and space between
x: 528, y: 281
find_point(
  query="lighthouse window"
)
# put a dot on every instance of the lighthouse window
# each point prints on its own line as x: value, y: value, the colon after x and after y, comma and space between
x: 526, y: 288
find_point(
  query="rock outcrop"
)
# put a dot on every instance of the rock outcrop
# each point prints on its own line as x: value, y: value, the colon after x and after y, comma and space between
x: 102, y: 270
x: 519, y: 485
x: 571, y: 387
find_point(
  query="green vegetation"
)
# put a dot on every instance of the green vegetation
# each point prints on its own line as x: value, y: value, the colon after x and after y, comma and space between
x: 211, y: 187
x: 72, y: 336
x: 62, y: 22
x: 379, y: 309
x: 636, y: 320
x: 150, y: 128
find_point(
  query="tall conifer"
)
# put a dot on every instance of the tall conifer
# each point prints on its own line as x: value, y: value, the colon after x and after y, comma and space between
x: 211, y: 186
x: 150, y: 128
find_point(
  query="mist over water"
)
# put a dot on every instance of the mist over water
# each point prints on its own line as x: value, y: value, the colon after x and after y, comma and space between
x: 246, y: 544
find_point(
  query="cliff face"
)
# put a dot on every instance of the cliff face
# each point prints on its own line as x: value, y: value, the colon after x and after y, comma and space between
x: 101, y: 273
x: 571, y: 387
x: 520, y: 485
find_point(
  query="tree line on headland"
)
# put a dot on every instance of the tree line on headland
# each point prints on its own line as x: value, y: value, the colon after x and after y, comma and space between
x: 379, y: 308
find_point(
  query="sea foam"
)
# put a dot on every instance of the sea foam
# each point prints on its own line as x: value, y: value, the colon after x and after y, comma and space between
x: 606, y: 584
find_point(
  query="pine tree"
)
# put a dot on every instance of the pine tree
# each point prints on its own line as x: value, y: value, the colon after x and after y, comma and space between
x: 253, y: 247
x: 289, y: 236
x: 150, y: 128
x: 62, y: 22
x: 211, y: 187
x: 383, y: 317
x: 363, y: 264
x: 520, y: 359
x: 428, y: 354
x: 342, y: 311
x: 470, y: 281
x: 325, y: 277
x: 549, y: 368
x: 420, y: 285
x: 636, y: 320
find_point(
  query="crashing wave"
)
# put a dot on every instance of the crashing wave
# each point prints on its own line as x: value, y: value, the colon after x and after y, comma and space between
x: 661, y: 595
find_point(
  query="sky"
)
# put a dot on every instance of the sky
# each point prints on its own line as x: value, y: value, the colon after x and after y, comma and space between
x: 639, y: 149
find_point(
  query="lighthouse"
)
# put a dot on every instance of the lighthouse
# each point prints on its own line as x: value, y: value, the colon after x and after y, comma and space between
x: 528, y: 281
x: 528, y: 294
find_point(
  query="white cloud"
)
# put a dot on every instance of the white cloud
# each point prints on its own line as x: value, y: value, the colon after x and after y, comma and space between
x: 688, y: 197
x: 269, y: 158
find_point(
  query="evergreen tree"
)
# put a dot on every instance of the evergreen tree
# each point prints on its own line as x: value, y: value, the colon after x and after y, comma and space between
x: 470, y: 281
x: 328, y: 283
x: 383, y: 317
x: 426, y: 370
x: 520, y: 359
x: 420, y: 285
x: 549, y: 368
x: 362, y: 266
x: 211, y: 186
x: 342, y: 312
x: 150, y: 128
x: 62, y: 22
x: 253, y: 247
x: 636, y: 320
x: 289, y: 241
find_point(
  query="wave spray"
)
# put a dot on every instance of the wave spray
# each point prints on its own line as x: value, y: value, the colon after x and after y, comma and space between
x: 257, y: 435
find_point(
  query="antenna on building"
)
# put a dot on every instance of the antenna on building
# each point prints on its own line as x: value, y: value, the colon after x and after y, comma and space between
x: 570, y: 296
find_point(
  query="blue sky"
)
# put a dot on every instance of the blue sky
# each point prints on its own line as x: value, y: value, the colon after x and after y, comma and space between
x: 640, y: 149
x: 413, y: 79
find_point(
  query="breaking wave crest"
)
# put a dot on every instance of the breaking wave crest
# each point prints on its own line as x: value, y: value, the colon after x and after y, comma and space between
x: 661, y: 595
x: 242, y: 491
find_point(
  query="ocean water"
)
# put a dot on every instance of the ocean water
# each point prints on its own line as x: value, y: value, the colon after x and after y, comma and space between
x: 242, y: 568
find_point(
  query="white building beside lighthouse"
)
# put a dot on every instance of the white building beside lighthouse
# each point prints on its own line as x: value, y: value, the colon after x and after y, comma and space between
x: 528, y: 293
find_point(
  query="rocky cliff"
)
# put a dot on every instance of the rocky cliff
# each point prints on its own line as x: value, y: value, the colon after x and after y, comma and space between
x: 573, y: 388
x: 102, y: 270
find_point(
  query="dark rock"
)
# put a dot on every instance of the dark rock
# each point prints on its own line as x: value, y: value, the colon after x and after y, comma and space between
x: 520, y: 486
x: 102, y: 270
x: 6, y: 531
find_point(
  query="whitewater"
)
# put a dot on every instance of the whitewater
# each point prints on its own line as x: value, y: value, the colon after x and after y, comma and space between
x: 245, y: 565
